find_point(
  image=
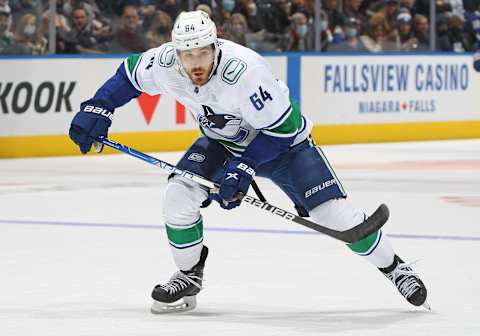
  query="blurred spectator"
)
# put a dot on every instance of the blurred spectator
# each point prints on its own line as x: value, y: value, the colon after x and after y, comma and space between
x: 299, y: 35
x: 457, y: 7
x: 376, y: 32
x: 335, y: 18
x: 454, y: 39
x: 20, y: 8
x: 236, y: 29
x: 228, y: 5
x: 351, y: 30
x: 68, y: 6
x: 109, y: 8
x: 226, y: 12
x: 352, y: 10
x: 254, y: 20
x: 101, y: 24
x: 472, y: 22
x: 130, y: 36
x: 471, y: 5
x: 406, y: 37
x: 62, y: 30
x: 27, y: 38
x: 6, y: 10
x: 171, y: 7
x: 264, y: 25
x: 81, y: 38
x: 147, y: 13
x: 205, y: 8
x: 6, y: 38
x: 423, y: 7
x: 421, y: 29
x: 263, y: 41
x: 160, y: 30
x: 298, y: 6
x: 410, y: 5
x: 276, y: 19
x: 442, y: 6
x: 240, y: 6
x: 390, y: 11
x: 61, y: 21
x: 326, y: 37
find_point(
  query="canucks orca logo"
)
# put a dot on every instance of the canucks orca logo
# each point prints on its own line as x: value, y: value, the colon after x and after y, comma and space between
x: 225, y: 125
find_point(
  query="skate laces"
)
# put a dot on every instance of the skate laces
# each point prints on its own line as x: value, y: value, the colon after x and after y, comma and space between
x: 180, y: 281
x: 405, y: 278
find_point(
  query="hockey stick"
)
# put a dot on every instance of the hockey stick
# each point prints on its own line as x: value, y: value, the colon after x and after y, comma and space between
x: 359, y: 232
x: 258, y: 192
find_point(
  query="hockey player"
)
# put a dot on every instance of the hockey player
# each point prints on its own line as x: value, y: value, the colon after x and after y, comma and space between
x: 250, y: 128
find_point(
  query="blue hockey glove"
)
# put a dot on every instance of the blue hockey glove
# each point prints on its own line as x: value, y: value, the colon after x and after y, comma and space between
x: 476, y: 61
x: 236, y: 181
x: 92, y: 121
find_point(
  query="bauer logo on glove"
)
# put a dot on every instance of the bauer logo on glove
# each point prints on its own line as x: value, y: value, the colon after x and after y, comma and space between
x: 98, y: 110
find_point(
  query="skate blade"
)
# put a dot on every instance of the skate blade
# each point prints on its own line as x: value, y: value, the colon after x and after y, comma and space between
x: 426, y: 306
x: 185, y: 304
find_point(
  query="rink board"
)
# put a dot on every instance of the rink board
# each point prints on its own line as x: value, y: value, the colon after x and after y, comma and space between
x: 49, y: 145
x: 350, y: 98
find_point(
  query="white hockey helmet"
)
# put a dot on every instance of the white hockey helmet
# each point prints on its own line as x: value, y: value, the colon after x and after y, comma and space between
x: 194, y: 30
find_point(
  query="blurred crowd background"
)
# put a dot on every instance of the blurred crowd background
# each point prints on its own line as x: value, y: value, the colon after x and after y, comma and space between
x: 126, y: 26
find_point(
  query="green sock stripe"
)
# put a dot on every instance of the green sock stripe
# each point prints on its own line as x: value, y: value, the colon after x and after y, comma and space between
x: 364, y: 245
x: 179, y: 237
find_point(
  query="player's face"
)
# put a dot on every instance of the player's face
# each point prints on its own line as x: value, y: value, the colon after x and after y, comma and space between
x: 198, y: 63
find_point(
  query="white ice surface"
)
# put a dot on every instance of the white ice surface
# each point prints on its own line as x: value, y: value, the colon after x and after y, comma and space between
x: 61, y: 276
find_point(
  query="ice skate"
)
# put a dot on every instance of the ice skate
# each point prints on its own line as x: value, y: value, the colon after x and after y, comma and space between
x: 179, y: 293
x: 407, y: 282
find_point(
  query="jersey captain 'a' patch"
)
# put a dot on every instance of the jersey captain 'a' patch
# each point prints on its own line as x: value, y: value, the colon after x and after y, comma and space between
x: 166, y: 56
x: 232, y: 70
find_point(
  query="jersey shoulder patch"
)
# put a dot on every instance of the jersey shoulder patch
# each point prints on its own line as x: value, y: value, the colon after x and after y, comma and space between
x: 232, y: 70
x: 166, y: 55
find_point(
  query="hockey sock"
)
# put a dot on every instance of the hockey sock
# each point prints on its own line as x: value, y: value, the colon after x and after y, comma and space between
x: 375, y: 248
x: 186, y: 243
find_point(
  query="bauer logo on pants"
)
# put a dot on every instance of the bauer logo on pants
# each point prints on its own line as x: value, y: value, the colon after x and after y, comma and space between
x: 320, y: 187
x: 197, y: 157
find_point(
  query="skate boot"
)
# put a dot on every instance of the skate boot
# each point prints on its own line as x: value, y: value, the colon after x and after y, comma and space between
x: 407, y: 282
x: 179, y: 294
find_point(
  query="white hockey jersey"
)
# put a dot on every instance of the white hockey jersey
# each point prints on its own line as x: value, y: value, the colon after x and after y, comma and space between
x: 242, y: 98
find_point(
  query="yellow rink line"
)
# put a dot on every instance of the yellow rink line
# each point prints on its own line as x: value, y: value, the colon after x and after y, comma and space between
x: 55, y: 145
x: 415, y: 131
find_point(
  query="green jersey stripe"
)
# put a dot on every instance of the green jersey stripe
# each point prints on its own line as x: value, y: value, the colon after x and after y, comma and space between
x: 132, y: 61
x: 280, y: 135
x: 282, y: 118
x: 290, y: 126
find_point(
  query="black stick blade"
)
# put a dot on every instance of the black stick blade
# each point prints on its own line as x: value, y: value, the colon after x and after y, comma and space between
x: 368, y: 226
